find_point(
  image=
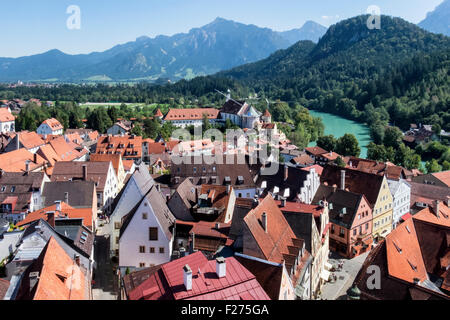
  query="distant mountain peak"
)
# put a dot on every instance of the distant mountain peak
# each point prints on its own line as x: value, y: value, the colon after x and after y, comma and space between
x: 310, y: 30
x: 438, y: 20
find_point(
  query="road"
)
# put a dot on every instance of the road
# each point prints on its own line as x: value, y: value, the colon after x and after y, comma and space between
x: 345, y: 277
x: 105, y: 282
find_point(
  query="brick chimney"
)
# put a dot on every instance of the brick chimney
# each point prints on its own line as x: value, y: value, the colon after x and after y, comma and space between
x: 264, y: 221
x: 77, y: 259
x: 342, y: 179
x: 84, y: 172
x: 436, y: 207
x: 51, y: 218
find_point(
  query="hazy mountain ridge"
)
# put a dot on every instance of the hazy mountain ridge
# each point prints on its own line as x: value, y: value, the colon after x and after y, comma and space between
x: 438, y: 21
x: 219, y: 45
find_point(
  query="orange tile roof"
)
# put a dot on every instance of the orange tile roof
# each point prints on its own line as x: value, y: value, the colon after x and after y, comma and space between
x: 59, y: 278
x: 428, y: 215
x: 114, y: 158
x: 274, y: 243
x: 72, y: 213
x: 303, y: 159
x: 191, y: 114
x: 316, y: 150
x: 267, y: 113
x: 65, y: 150
x: 444, y: 176
x: 49, y: 154
x: 74, y: 137
x: 53, y: 124
x: 31, y: 139
x: 15, y: 161
x: 158, y: 113
x: 127, y: 164
x: 404, y: 257
x: 117, y: 141
x: 5, y: 115
x: 331, y: 156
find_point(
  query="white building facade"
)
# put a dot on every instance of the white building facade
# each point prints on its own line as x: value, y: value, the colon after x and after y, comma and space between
x: 401, y: 195
x: 146, y: 239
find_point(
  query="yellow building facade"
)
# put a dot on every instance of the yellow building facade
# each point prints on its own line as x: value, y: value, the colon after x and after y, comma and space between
x: 383, y: 212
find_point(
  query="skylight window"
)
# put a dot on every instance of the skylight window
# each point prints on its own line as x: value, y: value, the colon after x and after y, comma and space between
x: 414, y: 267
x: 397, y: 247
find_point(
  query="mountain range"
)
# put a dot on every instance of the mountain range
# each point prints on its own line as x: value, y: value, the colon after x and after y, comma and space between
x: 217, y: 46
x: 438, y: 21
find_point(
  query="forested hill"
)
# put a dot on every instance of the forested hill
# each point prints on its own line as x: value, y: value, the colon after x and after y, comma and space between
x: 396, y: 74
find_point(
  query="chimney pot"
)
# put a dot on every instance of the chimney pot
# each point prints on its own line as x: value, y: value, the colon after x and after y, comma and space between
x: 66, y: 197
x: 27, y: 166
x: 187, y: 277
x: 286, y: 172
x: 283, y: 202
x: 221, y: 267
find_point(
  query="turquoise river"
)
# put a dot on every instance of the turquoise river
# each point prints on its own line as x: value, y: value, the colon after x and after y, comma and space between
x: 338, y: 126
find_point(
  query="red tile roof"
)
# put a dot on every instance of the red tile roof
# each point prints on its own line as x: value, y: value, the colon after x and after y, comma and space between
x: 15, y: 161
x: 191, y: 114
x: 444, y: 176
x: 404, y: 258
x: 66, y: 210
x: 298, y: 207
x: 114, y: 158
x: 65, y: 150
x: 167, y: 283
x: 4, y: 285
x: 316, y: 150
x: 53, y: 124
x: 158, y: 113
x: 303, y: 159
x: 59, y: 277
x: 276, y: 242
x: 5, y: 115
x: 319, y: 169
x: 30, y: 140
x: 429, y: 215
x: 127, y: 146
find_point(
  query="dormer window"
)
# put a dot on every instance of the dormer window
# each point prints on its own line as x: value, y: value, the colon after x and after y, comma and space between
x: 13, y: 188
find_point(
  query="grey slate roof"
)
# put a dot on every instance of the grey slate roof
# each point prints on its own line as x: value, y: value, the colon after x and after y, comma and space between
x: 81, y: 193
x: 46, y: 232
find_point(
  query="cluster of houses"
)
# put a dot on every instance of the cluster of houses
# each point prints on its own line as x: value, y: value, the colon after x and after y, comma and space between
x: 235, y: 228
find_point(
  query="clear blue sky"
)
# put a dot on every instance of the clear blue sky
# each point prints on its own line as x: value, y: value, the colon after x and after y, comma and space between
x: 30, y: 26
